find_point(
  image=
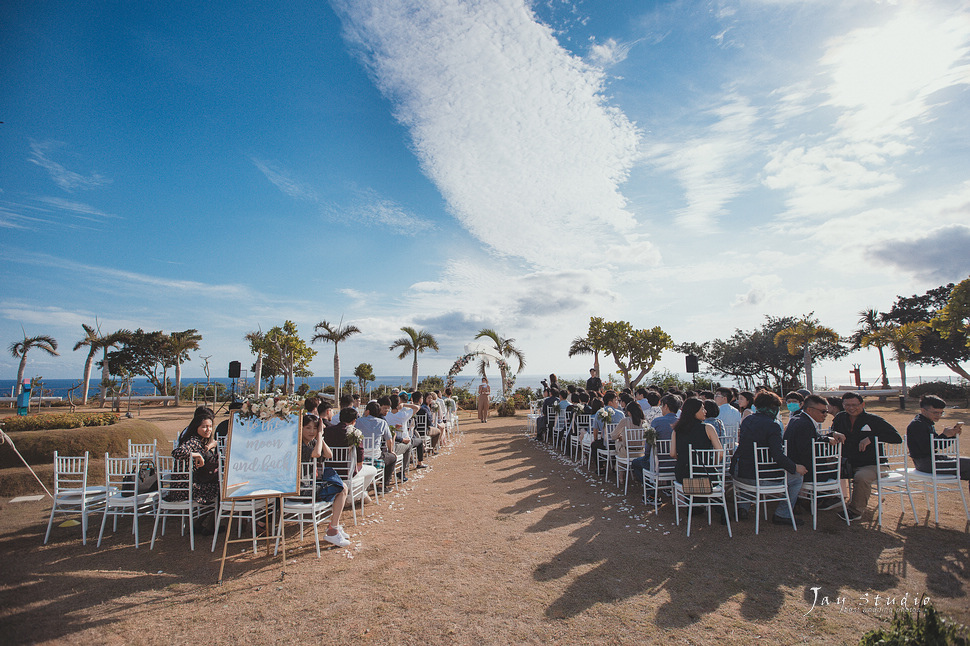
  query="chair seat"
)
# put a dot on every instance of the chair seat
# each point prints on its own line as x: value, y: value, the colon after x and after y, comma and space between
x: 115, y: 499
x: 915, y: 474
x: 87, y: 492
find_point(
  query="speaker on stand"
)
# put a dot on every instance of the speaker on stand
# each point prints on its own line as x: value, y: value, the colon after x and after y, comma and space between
x: 235, y: 368
x: 692, y: 366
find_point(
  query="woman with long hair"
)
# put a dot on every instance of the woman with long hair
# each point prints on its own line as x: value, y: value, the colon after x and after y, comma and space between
x: 690, y: 432
x: 633, y: 418
x: 745, y: 403
x: 198, y: 444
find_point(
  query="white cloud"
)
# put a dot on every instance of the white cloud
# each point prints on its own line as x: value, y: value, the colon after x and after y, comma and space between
x: 281, y: 180
x: 66, y: 179
x: 514, y: 131
x: 609, y: 52
x: 79, y: 209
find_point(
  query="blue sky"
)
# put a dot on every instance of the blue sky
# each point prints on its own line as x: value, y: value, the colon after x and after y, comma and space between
x: 453, y: 165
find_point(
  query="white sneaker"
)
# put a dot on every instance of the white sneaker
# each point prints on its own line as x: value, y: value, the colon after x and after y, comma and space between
x: 337, y: 539
x: 340, y: 530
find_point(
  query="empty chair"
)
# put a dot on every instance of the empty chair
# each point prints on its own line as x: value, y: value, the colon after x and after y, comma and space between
x: 890, y: 479
x: 72, y: 495
x: 124, y: 499
x: 607, y: 454
x: 146, y: 451
x: 710, y: 464
x: 177, y: 499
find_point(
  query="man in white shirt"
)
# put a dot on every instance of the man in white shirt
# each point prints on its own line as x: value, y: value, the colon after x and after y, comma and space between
x: 729, y: 415
x: 398, y: 418
x: 374, y: 426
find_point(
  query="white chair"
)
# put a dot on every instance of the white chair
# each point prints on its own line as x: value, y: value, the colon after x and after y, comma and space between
x: 704, y: 463
x: 633, y: 439
x: 771, y: 485
x: 147, y: 451
x: 344, y: 462
x: 175, y: 482
x: 421, y: 428
x: 72, y: 495
x: 660, y: 474
x: 374, y: 457
x: 945, y: 476
x: 580, y: 428
x: 608, y: 453
x: 826, y: 478
x: 305, y: 508
x: 730, y: 433
x: 249, y: 508
x: 123, y: 498
x: 890, y: 479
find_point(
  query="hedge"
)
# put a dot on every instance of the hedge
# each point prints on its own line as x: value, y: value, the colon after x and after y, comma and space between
x: 57, y: 420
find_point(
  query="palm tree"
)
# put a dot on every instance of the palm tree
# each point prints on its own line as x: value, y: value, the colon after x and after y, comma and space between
x: 871, y: 321
x: 799, y: 339
x: 256, y: 339
x: 108, y: 341
x: 506, y: 349
x: 180, y: 344
x: 905, y: 340
x: 335, y: 335
x: 415, y: 342
x: 19, y: 350
x: 93, y: 341
x: 582, y: 345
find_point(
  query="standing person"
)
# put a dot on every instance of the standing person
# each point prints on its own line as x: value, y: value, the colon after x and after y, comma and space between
x: 861, y: 430
x: 594, y: 384
x: 483, y: 396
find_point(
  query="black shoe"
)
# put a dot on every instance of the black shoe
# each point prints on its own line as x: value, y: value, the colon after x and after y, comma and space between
x: 778, y: 520
x: 853, y: 515
x: 421, y: 466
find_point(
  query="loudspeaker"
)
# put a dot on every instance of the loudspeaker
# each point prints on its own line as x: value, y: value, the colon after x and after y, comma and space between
x: 692, y: 363
x: 234, y: 368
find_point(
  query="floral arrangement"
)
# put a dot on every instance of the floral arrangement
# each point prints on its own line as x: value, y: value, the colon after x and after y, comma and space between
x: 354, y: 436
x: 650, y: 436
x: 266, y: 407
x: 576, y: 408
x: 605, y: 415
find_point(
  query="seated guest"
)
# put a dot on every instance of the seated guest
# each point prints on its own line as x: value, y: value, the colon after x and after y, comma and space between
x: 923, y: 428
x: 310, y: 405
x: 399, y: 419
x: 633, y: 419
x: 325, y: 412
x: 745, y: 403
x: 337, y: 435
x: 199, y: 445
x: 729, y: 415
x: 330, y: 488
x: 372, y: 425
x: 545, y: 413
x: 793, y: 402
x: 834, y: 406
x: 690, y: 433
x: 597, y: 425
x: 804, y: 430
x: 664, y: 426
x: 861, y: 431
x: 346, y: 401
x: 425, y: 417
x: 762, y: 428
x: 713, y: 411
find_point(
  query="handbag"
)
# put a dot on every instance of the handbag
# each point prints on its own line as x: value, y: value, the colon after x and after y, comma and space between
x: 144, y: 480
x: 697, y: 486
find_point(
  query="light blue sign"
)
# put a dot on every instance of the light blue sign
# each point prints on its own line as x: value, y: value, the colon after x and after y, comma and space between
x: 262, y: 457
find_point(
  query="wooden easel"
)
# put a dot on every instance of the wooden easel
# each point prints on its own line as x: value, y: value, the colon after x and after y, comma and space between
x: 268, y: 537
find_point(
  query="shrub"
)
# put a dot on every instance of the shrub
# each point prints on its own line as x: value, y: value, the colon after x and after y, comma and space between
x: 58, y: 420
x: 927, y: 627
x: 507, y: 408
x: 952, y: 393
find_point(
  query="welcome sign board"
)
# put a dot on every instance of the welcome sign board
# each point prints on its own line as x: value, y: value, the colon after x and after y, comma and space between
x: 262, y: 457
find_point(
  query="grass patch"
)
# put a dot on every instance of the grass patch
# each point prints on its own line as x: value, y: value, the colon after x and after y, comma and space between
x: 47, y: 421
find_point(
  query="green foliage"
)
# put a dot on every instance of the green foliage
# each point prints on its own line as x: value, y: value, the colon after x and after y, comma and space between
x: 925, y: 626
x: 463, y: 397
x: 632, y: 350
x: 58, y: 420
x: 365, y: 374
x: 952, y: 393
x: 665, y: 380
x: 953, y: 321
x: 285, y: 354
x: 934, y: 347
x: 204, y: 392
x: 143, y: 353
x: 507, y: 408
x: 431, y: 383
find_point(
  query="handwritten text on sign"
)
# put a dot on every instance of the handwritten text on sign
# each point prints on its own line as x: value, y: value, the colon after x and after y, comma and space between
x: 262, y: 457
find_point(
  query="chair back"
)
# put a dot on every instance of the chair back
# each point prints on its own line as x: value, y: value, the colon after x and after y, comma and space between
x: 708, y: 463
x: 946, y: 457
x: 730, y: 431
x: 372, y: 447
x: 115, y: 471
x: 344, y: 462
x: 634, y: 440
x: 420, y: 424
x: 767, y: 472
x: 308, y: 484
x: 70, y: 473
x: 175, y: 478
x: 660, y: 461
x: 607, y: 431
x: 147, y: 451
x: 826, y: 461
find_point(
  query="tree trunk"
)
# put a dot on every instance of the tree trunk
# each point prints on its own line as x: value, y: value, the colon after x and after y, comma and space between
x: 882, y: 364
x: 20, y: 373
x: 808, y: 368
x: 957, y: 368
x: 414, y: 372
x: 87, y: 375
x: 596, y: 363
x: 105, y: 377
x: 259, y: 372
x: 504, y: 373
x: 178, y: 382
x: 902, y: 376
x: 336, y: 377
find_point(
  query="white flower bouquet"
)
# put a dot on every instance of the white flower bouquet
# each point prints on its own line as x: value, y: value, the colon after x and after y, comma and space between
x: 354, y: 436
x: 266, y: 407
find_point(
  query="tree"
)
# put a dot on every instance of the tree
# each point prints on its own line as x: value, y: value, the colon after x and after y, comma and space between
x: 91, y: 340
x: 107, y: 342
x: 143, y: 353
x: 286, y: 355
x: 631, y: 349
x: 582, y: 345
x: 19, y: 349
x: 802, y: 337
x: 414, y: 343
x: 935, y: 349
x: 257, y: 345
x: 870, y: 321
x: 905, y: 341
x: 506, y: 349
x: 334, y: 334
x: 364, y: 373
x: 953, y: 321
x: 180, y: 344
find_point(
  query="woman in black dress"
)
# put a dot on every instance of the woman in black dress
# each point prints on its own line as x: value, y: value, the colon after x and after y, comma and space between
x: 690, y: 432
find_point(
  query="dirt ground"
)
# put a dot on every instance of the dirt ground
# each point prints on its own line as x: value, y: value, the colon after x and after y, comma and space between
x: 501, y: 541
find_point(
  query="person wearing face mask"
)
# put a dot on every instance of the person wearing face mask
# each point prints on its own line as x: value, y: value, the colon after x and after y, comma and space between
x: 793, y: 402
